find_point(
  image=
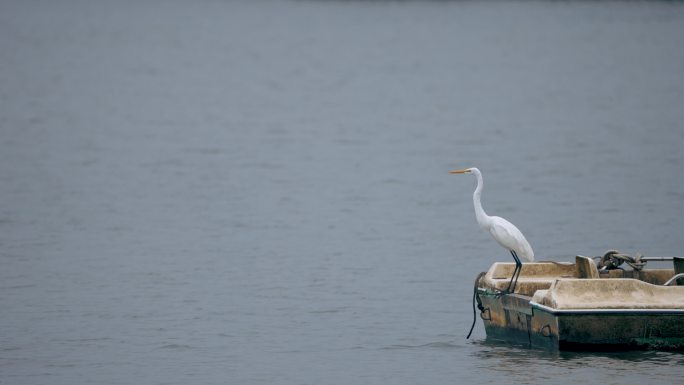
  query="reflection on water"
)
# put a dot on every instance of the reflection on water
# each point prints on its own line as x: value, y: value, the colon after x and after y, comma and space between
x: 523, y: 364
x: 256, y: 192
x: 434, y: 345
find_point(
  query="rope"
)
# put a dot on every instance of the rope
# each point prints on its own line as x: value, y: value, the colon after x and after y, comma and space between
x: 612, y: 259
x: 476, y: 298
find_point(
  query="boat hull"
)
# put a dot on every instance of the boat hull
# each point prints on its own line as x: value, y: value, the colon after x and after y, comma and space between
x: 516, y: 319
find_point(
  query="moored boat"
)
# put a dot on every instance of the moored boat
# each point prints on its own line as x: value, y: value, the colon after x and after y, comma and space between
x: 574, y: 306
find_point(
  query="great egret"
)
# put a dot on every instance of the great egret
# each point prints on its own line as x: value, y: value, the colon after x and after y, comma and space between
x: 503, y: 231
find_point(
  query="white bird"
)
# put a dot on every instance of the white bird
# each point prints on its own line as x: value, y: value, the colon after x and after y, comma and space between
x: 503, y: 231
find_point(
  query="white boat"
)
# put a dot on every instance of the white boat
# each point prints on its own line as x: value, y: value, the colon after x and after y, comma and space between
x: 576, y: 306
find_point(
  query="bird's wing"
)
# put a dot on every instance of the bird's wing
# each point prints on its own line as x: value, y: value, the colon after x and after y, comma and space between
x: 510, y: 237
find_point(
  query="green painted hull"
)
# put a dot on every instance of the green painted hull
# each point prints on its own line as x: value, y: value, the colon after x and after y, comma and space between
x: 512, y: 318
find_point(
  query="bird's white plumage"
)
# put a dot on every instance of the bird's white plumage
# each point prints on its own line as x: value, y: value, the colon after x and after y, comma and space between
x: 503, y: 231
x: 511, y: 238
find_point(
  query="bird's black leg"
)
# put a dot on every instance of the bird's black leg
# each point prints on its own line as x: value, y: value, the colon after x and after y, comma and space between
x: 519, y: 264
x: 516, y: 273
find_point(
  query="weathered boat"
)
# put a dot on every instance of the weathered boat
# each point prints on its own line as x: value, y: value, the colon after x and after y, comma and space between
x: 574, y: 306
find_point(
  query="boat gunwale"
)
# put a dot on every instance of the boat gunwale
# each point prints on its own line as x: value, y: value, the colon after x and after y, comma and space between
x: 548, y: 309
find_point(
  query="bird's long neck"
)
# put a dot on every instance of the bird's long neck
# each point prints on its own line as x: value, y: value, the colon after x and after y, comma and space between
x: 481, y: 216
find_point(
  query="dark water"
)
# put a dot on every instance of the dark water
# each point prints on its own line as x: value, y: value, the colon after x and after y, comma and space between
x: 225, y: 192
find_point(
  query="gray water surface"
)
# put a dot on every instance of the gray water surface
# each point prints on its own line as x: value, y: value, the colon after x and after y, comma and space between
x: 256, y: 192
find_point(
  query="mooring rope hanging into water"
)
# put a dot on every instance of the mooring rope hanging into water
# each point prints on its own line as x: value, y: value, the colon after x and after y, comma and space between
x: 476, y: 298
x: 612, y: 259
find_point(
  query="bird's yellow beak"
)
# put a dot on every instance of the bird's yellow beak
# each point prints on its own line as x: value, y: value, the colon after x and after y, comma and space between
x: 465, y: 170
